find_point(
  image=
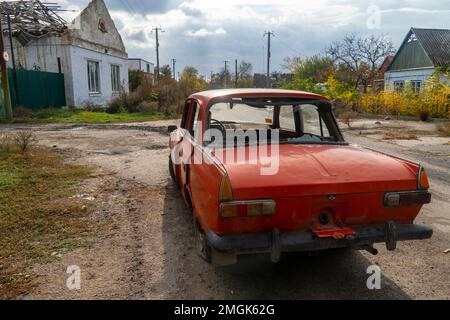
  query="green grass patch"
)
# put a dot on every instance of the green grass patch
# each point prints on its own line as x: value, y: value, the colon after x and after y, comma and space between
x: 38, y: 217
x: 75, y: 116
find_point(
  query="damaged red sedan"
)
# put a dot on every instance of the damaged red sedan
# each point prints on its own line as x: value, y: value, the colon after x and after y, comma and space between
x: 269, y: 171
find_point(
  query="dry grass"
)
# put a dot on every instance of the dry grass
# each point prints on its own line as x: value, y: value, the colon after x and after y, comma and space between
x: 37, y: 215
x: 444, y: 129
x: 348, y: 117
x: 25, y: 140
x: 399, y: 134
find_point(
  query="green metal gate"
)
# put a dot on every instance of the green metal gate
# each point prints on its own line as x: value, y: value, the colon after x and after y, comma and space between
x: 38, y: 89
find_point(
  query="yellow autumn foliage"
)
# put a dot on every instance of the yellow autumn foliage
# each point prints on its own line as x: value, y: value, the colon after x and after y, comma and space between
x: 432, y: 100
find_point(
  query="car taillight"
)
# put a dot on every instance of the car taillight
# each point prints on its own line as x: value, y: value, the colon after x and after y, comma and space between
x: 225, y: 191
x: 400, y: 199
x: 255, y: 208
x: 423, y: 182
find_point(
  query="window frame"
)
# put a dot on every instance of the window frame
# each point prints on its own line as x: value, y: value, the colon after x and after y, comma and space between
x: 399, y: 85
x: 113, y: 83
x: 94, y: 84
x: 416, y: 85
x: 324, y: 109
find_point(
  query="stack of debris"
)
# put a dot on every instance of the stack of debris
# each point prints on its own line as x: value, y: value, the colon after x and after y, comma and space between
x: 32, y: 19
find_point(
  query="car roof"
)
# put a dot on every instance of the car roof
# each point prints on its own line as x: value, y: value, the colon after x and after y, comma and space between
x: 207, y: 97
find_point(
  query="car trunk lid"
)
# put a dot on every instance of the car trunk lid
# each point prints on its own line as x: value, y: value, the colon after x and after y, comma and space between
x: 310, y: 170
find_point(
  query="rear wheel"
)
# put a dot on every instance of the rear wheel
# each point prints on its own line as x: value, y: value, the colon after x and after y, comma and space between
x: 201, y: 243
x: 209, y: 254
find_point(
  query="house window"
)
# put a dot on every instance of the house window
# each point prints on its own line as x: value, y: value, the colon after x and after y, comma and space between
x: 93, y: 69
x: 148, y: 68
x: 115, y: 78
x: 399, y: 86
x: 416, y: 85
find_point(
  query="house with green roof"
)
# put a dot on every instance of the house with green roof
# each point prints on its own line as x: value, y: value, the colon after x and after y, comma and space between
x: 422, y: 53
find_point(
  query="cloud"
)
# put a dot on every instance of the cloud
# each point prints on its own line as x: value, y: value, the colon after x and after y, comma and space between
x: 189, y: 10
x: 205, y: 33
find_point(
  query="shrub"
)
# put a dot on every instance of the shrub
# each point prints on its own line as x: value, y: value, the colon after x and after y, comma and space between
x: 148, y: 106
x: 444, y: 129
x: 347, y: 117
x: 432, y: 101
x: 126, y: 102
x: 25, y: 139
x: 135, y: 78
x: 21, y: 112
x: 90, y: 106
x: 6, y: 143
x: 424, y: 115
x: 46, y: 113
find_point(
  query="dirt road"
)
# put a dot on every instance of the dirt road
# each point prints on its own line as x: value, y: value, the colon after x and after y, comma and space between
x: 150, y: 254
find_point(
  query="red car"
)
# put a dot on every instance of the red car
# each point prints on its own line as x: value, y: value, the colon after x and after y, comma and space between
x: 269, y: 171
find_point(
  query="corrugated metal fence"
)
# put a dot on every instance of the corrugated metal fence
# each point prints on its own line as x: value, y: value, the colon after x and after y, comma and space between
x: 38, y: 89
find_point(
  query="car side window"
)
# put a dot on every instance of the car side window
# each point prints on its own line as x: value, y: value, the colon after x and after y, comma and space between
x: 192, y: 121
x: 196, y: 127
x: 312, y: 122
x: 185, y: 116
x: 287, y: 120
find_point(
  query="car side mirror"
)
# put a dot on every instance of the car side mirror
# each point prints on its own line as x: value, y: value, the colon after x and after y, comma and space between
x: 171, y: 129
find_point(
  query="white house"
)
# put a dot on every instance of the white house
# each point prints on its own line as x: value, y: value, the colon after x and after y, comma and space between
x: 141, y: 64
x: 422, y: 53
x: 90, y: 53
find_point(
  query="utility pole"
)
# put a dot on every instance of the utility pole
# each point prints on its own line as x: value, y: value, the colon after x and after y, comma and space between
x: 174, y: 61
x: 225, y: 73
x: 13, y: 60
x: 268, y: 33
x: 157, y: 30
x: 4, y: 77
x: 235, y: 73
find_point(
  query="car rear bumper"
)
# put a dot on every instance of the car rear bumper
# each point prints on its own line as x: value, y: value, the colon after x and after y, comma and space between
x: 276, y: 242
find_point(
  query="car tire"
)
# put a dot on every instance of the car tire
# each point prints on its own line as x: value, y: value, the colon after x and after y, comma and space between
x: 202, y: 247
x: 209, y: 254
x: 171, y: 171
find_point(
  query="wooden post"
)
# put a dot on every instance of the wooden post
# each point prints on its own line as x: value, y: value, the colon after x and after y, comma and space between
x: 4, y: 77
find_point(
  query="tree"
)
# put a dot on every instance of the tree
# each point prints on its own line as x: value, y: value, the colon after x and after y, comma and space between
x: 374, y: 50
x: 316, y: 68
x: 245, y: 77
x: 191, y: 80
x: 290, y: 64
x: 218, y: 80
x: 245, y: 70
x: 358, y: 59
x: 165, y: 71
x: 135, y: 78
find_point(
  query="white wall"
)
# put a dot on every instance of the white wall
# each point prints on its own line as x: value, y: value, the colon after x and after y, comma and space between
x: 140, y: 64
x: 407, y: 76
x: 42, y: 54
x: 81, y: 94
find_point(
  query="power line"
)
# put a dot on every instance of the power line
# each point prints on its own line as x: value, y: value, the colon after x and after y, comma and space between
x: 225, y: 73
x: 130, y: 6
x: 235, y: 73
x: 157, y: 30
x: 268, y: 33
x: 174, y: 61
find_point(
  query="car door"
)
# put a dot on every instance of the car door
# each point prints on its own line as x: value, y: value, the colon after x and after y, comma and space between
x: 187, y: 146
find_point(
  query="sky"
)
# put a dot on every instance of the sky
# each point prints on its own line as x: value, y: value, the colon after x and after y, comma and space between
x: 205, y: 33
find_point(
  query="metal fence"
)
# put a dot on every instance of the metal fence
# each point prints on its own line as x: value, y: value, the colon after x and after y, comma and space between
x: 38, y: 89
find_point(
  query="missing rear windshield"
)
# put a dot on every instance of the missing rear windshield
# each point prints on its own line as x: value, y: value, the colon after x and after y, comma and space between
x: 267, y: 121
